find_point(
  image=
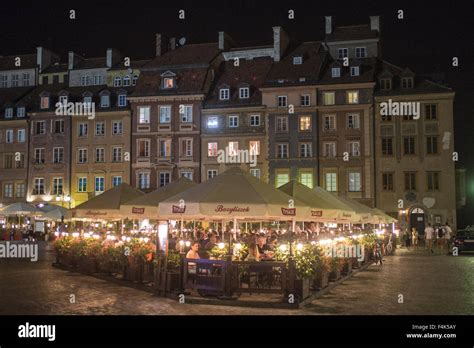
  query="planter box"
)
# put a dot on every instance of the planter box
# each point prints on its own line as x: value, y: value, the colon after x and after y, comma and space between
x: 168, y: 281
x: 149, y: 273
x: 347, y: 269
x: 335, y: 275
x: 67, y: 259
x: 321, y: 279
x: 356, y: 264
x: 88, y: 265
x: 302, y: 288
x: 134, y: 273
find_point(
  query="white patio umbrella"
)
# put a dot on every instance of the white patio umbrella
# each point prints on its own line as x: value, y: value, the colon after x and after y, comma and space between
x: 20, y: 208
x: 57, y: 213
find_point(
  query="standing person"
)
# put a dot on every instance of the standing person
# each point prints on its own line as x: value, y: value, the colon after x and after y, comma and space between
x: 440, y: 232
x: 447, y: 236
x: 407, y: 238
x: 429, y: 236
x: 414, y: 238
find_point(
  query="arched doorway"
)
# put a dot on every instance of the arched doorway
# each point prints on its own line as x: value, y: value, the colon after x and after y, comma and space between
x: 417, y: 218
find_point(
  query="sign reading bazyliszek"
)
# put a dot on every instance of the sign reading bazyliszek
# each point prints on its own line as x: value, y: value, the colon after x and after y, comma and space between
x: 19, y: 250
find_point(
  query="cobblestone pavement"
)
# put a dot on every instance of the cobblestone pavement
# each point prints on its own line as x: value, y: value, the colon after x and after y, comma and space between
x: 430, y: 284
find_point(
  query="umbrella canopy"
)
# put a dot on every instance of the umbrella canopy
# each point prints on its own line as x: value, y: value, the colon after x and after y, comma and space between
x: 233, y: 194
x: 321, y: 209
x: 363, y: 212
x: 57, y: 213
x: 348, y: 215
x: 146, y: 206
x: 20, y: 208
x: 106, y: 205
x: 381, y: 217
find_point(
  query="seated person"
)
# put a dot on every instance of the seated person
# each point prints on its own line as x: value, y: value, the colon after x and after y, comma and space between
x: 253, y: 254
x: 193, y: 252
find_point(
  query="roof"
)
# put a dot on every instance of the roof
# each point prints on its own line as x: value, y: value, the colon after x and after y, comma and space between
x: 367, y: 69
x: 354, y: 32
x: 9, y: 97
x: 28, y: 61
x: 187, y: 55
x: 290, y: 74
x: 91, y: 63
x: 134, y: 64
x: 249, y: 73
x: 55, y: 68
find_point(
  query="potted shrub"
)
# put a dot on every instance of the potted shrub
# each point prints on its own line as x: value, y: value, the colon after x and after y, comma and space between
x: 322, y: 269
x: 62, y: 245
x: 336, y: 267
x: 90, y: 250
x: 347, y: 266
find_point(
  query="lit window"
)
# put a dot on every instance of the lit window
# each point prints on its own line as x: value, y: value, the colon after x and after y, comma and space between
x: 281, y: 179
x: 44, y: 102
x: 354, y: 182
x: 186, y: 113
x: 353, y: 97
x: 329, y: 98
x: 212, y: 122
x: 168, y: 82
x: 165, y: 114
x: 144, y: 115
x: 331, y: 182
x: 254, y: 146
x: 164, y: 148
x: 305, y: 123
x: 212, y: 149
x: 233, y: 148
x: 306, y: 178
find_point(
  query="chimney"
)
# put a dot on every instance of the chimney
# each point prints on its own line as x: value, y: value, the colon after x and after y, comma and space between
x: 70, y: 62
x: 158, y: 45
x: 109, y: 58
x: 39, y: 58
x: 375, y: 23
x: 172, y: 43
x: 225, y: 41
x: 328, y: 27
x: 280, y: 43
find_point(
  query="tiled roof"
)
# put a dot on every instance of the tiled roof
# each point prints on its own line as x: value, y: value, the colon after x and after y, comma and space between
x: 28, y: 61
x: 367, y: 68
x: 55, y: 68
x: 9, y: 97
x: 287, y: 73
x: 249, y: 73
x: 191, y: 54
x: 134, y: 64
x: 91, y: 63
x: 347, y: 33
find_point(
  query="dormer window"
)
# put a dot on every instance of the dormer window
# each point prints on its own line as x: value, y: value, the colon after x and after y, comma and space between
x: 122, y: 100
x: 361, y: 52
x: 105, y: 99
x: 44, y: 103
x: 297, y: 60
x: 224, y: 94
x: 87, y: 98
x: 8, y: 112
x: 244, y: 92
x: 126, y: 80
x: 168, y: 82
x: 20, y: 111
x: 386, y: 84
x: 407, y: 82
x: 63, y: 99
x: 355, y: 71
x: 342, y: 53
x: 134, y: 80
x: 117, y: 81
x: 336, y: 72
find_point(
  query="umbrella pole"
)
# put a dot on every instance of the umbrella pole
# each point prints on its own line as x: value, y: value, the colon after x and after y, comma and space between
x: 121, y: 226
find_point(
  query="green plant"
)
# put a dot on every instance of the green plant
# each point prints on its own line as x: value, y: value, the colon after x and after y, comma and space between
x: 218, y: 253
x: 63, y: 244
x: 174, y: 260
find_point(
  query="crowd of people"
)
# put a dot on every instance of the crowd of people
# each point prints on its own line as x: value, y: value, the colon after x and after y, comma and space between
x: 437, y: 235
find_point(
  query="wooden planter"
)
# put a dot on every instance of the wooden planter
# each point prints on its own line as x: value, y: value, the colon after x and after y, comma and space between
x: 134, y: 272
x: 335, y: 274
x: 88, y: 265
x: 168, y: 281
x: 149, y: 273
x: 356, y: 263
x: 302, y: 288
x: 347, y: 268
x: 321, y: 279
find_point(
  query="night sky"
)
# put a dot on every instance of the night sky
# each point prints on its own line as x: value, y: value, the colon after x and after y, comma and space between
x: 425, y: 40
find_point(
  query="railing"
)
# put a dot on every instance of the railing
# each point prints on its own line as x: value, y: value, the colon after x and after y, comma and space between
x: 260, y: 277
x: 205, y: 276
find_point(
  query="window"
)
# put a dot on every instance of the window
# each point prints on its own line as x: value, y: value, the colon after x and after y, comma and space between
x: 20, y: 190
x: 431, y: 112
x: 329, y: 98
x: 20, y: 111
x: 99, y: 184
x: 306, y: 178
x: 44, y: 103
x: 282, y: 124
x: 143, y: 148
x: 15, y: 80
x: 97, y: 80
x: 85, y: 80
x: 336, y: 72
x: 355, y: 71
x: 282, y: 150
x: 165, y: 178
x: 330, y: 181
x: 126, y: 80
x: 410, y: 181
x: 224, y: 94
x: 117, y: 81
x: 281, y: 179
x: 100, y: 155
x: 212, y: 149
x: 8, y: 112
x: 122, y: 100
x: 82, y: 184
x: 360, y: 52
x: 57, y: 186
x: 255, y: 172
x: 254, y: 120
x: 282, y: 101
x: 39, y: 155
x: 342, y: 53
x: 387, y: 181
x: 329, y: 122
x: 82, y: 129
x: 432, y: 179
x: 408, y: 145
x: 353, y: 97
x: 56, y: 79
x: 82, y: 156
x: 244, y: 92
x: 354, y: 148
x: 385, y: 84
x: 187, y: 147
x: 117, y: 154
x: 254, y: 147
x: 233, y: 121
x: 387, y: 146
x: 58, y: 154
x: 38, y: 188
x: 116, y: 181
x: 386, y: 118
x: 143, y: 180
x: 305, y: 123
x: 9, y: 136
x: 21, y: 162
x: 353, y: 121
x: 211, y: 173
x: 298, y: 60
x: 144, y: 115
x: 212, y: 121
x: 40, y: 127
x: 186, y: 113
x: 187, y: 174
x: 354, y: 182
x: 58, y: 126
x: 117, y: 127
x: 329, y: 149
x: 104, y: 101
x: 168, y: 82
x: 432, y: 145
x: 21, y: 135
x: 99, y: 129
x: 407, y: 82
x: 87, y: 101
x: 233, y: 147
x: 165, y: 114
x: 164, y: 148
x: 134, y: 80
x: 305, y: 100
x: 3, y: 81
x: 306, y: 150
x: 63, y: 99
x: 8, y: 161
